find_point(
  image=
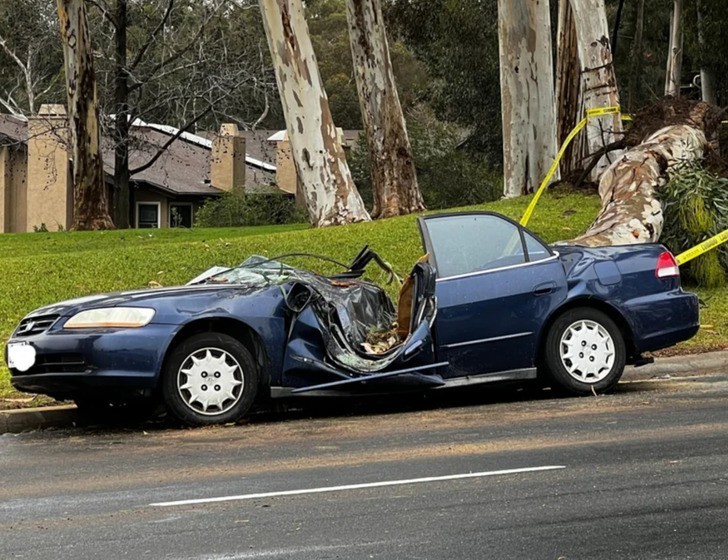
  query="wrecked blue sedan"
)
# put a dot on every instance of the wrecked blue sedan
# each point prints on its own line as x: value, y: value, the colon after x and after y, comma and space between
x: 489, y: 302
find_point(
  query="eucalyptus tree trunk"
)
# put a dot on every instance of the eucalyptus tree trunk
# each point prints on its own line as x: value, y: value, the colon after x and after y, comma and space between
x: 330, y: 194
x: 527, y: 98
x: 569, y: 102
x: 707, y: 84
x: 122, y: 123
x: 394, y: 180
x: 598, y: 77
x: 630, y: 211
x: 636, y: 54
x: 674, y: 55
x: 90, y: 206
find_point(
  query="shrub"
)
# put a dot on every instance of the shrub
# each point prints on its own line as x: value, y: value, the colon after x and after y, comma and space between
x: 695, y: 204
x: 234, y: 209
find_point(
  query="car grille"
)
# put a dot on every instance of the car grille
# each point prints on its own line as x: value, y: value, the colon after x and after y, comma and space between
x: 35, y: 325
x: 58, y: 363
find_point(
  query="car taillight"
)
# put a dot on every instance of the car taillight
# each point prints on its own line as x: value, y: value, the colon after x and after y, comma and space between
x: 667, y: 266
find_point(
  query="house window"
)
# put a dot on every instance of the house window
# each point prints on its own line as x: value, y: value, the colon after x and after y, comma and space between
x: 180, y: 215
x: 148, y: 215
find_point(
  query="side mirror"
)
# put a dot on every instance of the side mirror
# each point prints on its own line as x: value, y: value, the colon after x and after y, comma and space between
x: 298, y: 297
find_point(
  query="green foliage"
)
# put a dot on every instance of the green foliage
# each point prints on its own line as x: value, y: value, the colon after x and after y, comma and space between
x: 233, y: 209
x: 695, y: 204
x: 447, y: 175
x: 710, y: 52
x: 457, y: 41
x: 328, y: 27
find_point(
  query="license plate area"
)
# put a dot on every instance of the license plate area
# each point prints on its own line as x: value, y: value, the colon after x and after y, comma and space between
x: 21, y: 356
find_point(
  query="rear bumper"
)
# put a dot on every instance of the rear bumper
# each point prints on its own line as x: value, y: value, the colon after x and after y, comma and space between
x: 664, y: 320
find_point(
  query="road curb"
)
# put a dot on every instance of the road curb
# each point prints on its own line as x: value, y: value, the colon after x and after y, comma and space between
x: 27, y: 419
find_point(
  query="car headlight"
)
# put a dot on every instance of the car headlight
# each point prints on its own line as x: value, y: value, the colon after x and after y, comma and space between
x: 111, y: 317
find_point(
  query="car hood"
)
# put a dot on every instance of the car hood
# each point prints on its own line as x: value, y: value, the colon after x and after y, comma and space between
x: 138, y: 298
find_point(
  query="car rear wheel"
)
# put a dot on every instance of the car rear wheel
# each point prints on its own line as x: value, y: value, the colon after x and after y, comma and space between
x: 584, y: 352
x: 210, y: 378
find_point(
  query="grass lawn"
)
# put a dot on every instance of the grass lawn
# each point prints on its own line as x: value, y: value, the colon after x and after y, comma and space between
x: 40, y: 268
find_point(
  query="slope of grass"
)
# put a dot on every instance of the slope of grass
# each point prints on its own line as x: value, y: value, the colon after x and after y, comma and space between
x: 40, y: 268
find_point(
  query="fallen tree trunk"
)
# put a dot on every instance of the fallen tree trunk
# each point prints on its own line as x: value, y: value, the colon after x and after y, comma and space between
x: 661, y: 137
x: 631, y: 213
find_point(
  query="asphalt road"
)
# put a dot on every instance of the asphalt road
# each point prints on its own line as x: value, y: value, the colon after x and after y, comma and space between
x: 642, y: 473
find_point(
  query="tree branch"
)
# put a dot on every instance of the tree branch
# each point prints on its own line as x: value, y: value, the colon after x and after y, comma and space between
x: 105, y: 13
x: 168, y: 143
x: 152, y: 35
x: 174, y: 56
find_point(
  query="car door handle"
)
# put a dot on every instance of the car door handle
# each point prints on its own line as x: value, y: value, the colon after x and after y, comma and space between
x: 543, y: 289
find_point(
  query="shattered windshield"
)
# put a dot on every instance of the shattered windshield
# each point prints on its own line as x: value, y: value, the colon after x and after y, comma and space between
x: 256, y: 271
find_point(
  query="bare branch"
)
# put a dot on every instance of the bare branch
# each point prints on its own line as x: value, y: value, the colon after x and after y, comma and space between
x: 264, y: 114
x: 11, y: 54
x: 168, y: 143
x: 177, y: 54
x: 104, y: 12
x: 152, y: 36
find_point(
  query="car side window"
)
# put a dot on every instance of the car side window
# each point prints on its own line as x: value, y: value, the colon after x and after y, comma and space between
x: 537, y: 251
x: 468, y: 243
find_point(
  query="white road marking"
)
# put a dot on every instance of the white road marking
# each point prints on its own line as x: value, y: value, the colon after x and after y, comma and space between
x: 289, y: 552
x: 356, y: 486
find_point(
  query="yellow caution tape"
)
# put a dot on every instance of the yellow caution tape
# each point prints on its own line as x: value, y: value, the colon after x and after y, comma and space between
x: 703, y: 247
x: 601, y: 111
x: 590, y: 113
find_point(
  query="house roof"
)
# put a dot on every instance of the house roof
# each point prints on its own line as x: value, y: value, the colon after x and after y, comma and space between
x: 351, y: 137
x: 183, y: 168
x: 13, y: 129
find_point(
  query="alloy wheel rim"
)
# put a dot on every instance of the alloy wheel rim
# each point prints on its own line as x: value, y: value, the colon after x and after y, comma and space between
x: 210, y: 381
x: 587, y: 352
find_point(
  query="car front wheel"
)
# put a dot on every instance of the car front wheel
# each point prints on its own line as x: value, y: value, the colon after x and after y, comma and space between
x: 584, y: 352
x: 210, y: 378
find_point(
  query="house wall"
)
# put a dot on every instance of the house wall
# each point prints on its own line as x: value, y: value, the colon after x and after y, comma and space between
x: 13, y: 188
x: 50, y: 192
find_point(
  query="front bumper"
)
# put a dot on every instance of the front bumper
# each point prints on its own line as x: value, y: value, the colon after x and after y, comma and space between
x: 72, y: 363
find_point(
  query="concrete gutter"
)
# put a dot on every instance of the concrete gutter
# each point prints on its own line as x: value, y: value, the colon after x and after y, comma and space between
x: 26, y: 419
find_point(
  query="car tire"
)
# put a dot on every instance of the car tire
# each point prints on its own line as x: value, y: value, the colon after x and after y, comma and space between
x: 210, y: 378
x: 584, y: 352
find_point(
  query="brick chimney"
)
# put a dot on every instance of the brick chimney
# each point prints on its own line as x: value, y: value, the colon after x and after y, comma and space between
x: 286, y: 176
x: 227, y: 160
x: 50, y: 185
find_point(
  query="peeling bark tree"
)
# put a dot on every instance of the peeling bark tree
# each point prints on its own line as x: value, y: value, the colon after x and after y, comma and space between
x: 636, y: 54
x: 330, y: 195
x: 598, y: 76
x: 630, y: 212
x: 527, y: 98
x: 394, y: 180
x: 569, y: 105
x: 674, y: 55
x: 90, y: 206
x: 707, y: 87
